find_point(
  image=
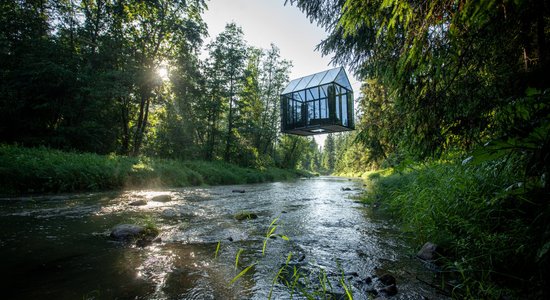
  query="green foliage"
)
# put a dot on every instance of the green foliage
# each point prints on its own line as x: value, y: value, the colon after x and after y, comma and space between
x: 217, y: 250
x: 291, y: 150
x: 84, y: 76
x: 435, y: 72
x: 329, y: 154
x: 440, y: 79
x: 34, y: 170
x: 244, y: 271
x: 483, y: 215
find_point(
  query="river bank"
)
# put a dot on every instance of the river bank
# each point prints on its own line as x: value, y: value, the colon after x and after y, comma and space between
x: 43, y: 170
x: 489, y: 220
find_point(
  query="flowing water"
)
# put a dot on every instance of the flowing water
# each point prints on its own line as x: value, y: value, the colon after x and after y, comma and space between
x: 58, y: 247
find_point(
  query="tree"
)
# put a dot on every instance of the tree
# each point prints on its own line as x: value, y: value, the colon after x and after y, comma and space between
x: 291, y: 149
x: 446, y: 66
x: 311, y: 159
x: 226, y: 67
x: 82, y: 74
x: 329, y: 154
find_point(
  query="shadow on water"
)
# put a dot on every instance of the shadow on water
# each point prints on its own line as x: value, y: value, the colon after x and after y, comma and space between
x: 59, y: 247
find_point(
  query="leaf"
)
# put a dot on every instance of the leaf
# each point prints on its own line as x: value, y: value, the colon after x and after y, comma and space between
x: 241, y: 274
x: 531, y: 91
x: 264, y: 246
x: 237, y: 257
x: 217, y: 250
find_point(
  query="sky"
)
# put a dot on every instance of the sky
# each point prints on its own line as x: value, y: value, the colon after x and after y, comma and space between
x: 270, y: 21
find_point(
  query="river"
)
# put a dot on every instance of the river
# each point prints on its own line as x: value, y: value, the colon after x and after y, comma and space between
x: 58, y: 246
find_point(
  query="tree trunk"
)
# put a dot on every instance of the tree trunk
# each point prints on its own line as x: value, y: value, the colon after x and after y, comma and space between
x: 124, y: 114
x: 142, y: 120
x: 227, y: 154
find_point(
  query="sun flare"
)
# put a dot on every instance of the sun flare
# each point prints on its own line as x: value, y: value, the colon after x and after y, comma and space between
x: 163, y: 73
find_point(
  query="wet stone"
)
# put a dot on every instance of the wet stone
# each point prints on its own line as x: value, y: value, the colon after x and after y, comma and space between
x: 124, y: 232
x: 140, y: 202
x: 246, y: 216
x: 428, y: 251
x: 169, y: 213
x: 143, y: 242
x: 387, y: 279
x: 238, y: 191
x: 162, y: 198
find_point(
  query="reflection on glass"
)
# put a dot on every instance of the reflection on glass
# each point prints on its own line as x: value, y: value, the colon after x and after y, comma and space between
x: 344, y: 110
x: 324, y: 113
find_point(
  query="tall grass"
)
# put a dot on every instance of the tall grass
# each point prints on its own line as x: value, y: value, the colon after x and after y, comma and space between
x: 39, y: 170
x: 483, y: 215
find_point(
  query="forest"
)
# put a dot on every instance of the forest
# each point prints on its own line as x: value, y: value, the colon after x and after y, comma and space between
x: 453, y: 121
x: 126, y: 77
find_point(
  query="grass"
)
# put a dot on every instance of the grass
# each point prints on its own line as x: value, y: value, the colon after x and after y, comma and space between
x: 44, y: 170
x: 488, y: 218
x: 292, y: 277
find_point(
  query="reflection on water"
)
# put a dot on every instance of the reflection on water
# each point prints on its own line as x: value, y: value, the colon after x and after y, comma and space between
x: 58, y: 247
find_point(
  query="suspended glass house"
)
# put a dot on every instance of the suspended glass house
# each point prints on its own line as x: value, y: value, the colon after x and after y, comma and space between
x: 318, y: 103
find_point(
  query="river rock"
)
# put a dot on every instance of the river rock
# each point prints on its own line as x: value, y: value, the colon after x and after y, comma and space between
x: 169, y: 213
x: 125, y: 232
x: 245, y: 216
x: 352, y: 274
x: 238, y: 191
x: 144, y: 242
x: 387, y: 280
x: 140, y: 202
x: 428, y: 251
x: 346, y: 189
x: 162, y: 198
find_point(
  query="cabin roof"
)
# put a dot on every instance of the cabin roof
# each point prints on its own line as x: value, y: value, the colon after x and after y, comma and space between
x: 337, y: 75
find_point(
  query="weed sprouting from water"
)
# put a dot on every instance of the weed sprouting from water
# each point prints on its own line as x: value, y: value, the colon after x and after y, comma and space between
x: 292, y: 276
x: 241, y: 273
x: 237, y: 257
x: 217, y: 250
x: 271, y: 234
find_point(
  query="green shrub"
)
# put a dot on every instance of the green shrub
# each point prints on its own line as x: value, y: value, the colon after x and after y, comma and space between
x: 481, y: 214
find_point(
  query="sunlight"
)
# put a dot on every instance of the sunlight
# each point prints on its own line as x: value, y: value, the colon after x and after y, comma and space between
x: 162, y: 71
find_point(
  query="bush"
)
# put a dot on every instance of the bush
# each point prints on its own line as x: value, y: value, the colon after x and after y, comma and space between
x: 483, y: 215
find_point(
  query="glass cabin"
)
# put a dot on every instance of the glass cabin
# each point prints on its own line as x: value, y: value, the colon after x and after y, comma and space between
x: 318, y: 103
